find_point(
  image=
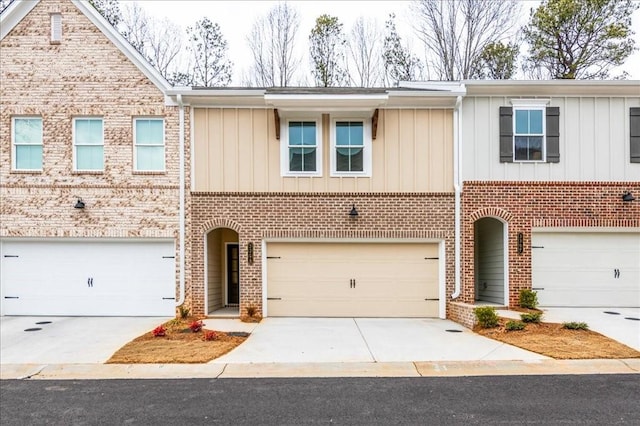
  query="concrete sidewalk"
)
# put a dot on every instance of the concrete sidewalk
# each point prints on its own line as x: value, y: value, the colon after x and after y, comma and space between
x: 317, y: 370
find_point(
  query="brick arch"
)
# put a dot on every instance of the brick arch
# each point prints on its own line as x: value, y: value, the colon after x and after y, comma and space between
x: 491, y: 212
x: 212, y: 224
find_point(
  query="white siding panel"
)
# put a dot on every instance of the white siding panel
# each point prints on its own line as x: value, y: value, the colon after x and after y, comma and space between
x: 594, y: 141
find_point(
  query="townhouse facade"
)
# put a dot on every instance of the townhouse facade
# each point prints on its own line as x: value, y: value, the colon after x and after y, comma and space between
x: 122, y: 195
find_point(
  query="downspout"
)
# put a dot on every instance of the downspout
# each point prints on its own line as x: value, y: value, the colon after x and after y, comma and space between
x: 457, y: 162
x: 181, y: 298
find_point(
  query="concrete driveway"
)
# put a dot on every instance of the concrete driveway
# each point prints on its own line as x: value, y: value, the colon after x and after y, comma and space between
x: 68, y: 340
x: 314, y: 340
x: 621, y: 324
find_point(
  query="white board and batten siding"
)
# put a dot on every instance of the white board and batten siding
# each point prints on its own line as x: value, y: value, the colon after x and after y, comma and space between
x: 586, y: 269
x: 88, y: 277
x: 594, y: 141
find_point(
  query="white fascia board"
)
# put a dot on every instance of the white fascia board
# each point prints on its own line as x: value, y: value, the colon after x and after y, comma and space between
x: 251, y: 98
x: 121, y: 43
x: 13, y: 14
x: 553, y: 88
x: 326, y: 102
x: 455, y: 88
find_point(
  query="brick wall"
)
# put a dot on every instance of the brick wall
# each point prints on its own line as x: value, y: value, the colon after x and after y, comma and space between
x: 259, y: 216
x: 85, y: 74
x: 527, y: 205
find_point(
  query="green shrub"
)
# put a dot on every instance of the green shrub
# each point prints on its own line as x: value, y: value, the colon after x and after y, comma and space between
x: 515, y: 325
x: 528, y: 299
x: 184, y: 311
x: 486, y: 316
x: 575, y: 325
x: 531, y: 317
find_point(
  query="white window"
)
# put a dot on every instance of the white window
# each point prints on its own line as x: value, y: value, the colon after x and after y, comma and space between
x: 301, y: 153
x: 56, y: 28
x: 27, y: 143
x: 351, y: 147
x: 148, y: 139
x: 88, y: 144
x: 529, y: 139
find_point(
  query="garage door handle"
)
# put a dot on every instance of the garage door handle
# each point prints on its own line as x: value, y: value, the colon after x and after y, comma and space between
x: 274, y: 298
x: 12, y: 297
x: 11, y: 255
x: 537, y: 288
x: 431, y: 299
x: 168, y: 298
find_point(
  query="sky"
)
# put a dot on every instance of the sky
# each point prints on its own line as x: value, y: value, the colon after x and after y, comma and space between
x: 237, y: 17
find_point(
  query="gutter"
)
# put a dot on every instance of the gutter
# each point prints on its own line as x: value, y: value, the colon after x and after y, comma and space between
x: 457, y: 185
x: 181, y: 241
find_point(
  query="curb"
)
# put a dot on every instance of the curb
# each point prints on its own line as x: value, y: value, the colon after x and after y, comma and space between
x: 317, y: 370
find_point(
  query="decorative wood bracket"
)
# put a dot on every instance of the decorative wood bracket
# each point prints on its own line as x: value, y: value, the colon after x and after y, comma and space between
x: 276, y: 117
x: 374, y: 124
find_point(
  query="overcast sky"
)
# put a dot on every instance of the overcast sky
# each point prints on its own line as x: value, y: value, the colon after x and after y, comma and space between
x: 237, y: 17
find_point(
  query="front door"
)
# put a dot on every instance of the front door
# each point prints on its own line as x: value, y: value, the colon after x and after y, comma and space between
x: 233, y: 275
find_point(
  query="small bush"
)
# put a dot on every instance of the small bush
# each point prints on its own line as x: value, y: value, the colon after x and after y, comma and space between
x: 486, y: 316
x: 531, y: 317
x: 210, y: 335
x: 575, y: 325
x: 159, y: 331
x: 196, y: 326
x: 515, y: 325
x: 184, y: 311
x: 528, y: 299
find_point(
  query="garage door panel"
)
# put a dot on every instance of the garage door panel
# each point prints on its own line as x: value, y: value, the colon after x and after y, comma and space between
x: 586, y: 269
x: 77, y: 277
x: 352, y: 279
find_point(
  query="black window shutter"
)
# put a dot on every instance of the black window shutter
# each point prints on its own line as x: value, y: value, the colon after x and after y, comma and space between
x: 553, y: 135
x: 506, y: 135
x: 634, y: 134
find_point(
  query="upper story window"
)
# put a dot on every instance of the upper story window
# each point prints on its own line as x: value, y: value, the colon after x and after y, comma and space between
x: 88, y: 144
x: 149, y: 148
x: 351, y: 147
x: 528, y: 134
x: 27, y: 143
x: 301, y: 148
x: 56, y: 28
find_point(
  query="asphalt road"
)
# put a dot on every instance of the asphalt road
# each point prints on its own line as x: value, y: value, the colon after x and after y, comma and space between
x: 594, y: 399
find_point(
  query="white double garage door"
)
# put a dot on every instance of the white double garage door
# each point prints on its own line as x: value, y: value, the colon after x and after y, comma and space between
x: 346, y: 279
x: 586, y: 269
x: 79, y: 277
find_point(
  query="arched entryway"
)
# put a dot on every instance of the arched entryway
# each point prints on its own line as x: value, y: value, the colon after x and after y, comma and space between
x: 490, y: 261
x: 222, y: 272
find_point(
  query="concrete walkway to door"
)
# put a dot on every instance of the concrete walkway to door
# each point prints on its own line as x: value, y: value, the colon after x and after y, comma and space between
x: 318, y: 340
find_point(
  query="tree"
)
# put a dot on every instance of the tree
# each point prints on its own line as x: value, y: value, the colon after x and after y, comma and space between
x: 455, y: 32
x: 498, y: 61
x: 109, y: 9
x: 579, y: 39
x: 399, y: 63
x: 209, y: 65
x: 365, y: 54
x: 272, y: 43
x: 327, y: 44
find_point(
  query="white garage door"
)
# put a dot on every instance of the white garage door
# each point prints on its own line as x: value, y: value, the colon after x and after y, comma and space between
x: 352, y: 280
x: 586, y: 269
x: 88, y: 278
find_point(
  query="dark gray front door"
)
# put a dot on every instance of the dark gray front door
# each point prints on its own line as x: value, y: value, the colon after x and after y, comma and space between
x: 233, y: 274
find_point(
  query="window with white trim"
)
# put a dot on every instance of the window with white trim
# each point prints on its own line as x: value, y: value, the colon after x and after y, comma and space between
x: 351, y: 147
x: 88, y: 144
x: 301, y: 153
x: 56, y: 28
x: 27, y: 143
x: 528, y: 133
x: 148, y: 140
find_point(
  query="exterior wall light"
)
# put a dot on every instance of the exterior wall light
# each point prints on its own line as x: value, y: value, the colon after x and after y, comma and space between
x: 79, y: 204
x: 353, y: 213
x: 628, y: 196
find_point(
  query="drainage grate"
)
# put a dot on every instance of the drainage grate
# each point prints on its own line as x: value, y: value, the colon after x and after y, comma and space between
x: 238, y: 334
x: 612, y: 313
x: 453, y: 331
x: 632, y: 318
x: 32, y: 329
x: 43, y: 322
